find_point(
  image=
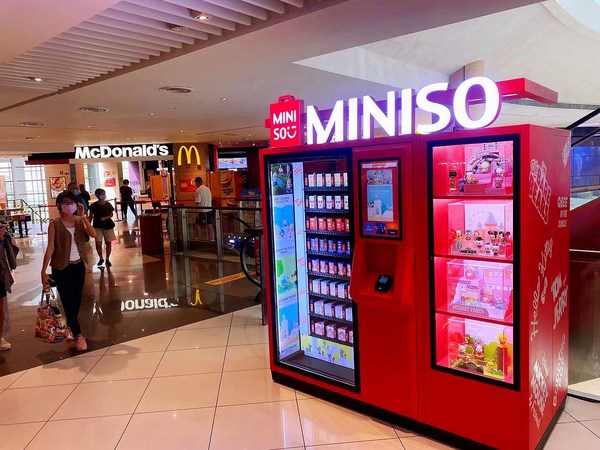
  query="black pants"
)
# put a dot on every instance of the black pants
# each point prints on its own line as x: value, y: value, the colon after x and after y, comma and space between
x: 124, y: 206
x: 69, y: 282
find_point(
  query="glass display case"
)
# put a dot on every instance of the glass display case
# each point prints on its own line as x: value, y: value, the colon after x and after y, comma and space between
x: 473, y: 234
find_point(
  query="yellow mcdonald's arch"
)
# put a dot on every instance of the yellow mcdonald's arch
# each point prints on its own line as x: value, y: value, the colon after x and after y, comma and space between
x: 197, y: 300
x: 188, y: 154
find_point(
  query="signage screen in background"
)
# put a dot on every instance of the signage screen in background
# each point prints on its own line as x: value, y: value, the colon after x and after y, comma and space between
x: 233, y: 163
x: 380, y: 199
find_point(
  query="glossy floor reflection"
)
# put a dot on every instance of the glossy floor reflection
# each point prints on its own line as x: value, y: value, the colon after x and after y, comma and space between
x: 138, y: 296
x: 205, y: 385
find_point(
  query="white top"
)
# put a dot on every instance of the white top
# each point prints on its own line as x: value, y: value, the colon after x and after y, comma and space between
x: 203, y: 196
x: 74, y: 256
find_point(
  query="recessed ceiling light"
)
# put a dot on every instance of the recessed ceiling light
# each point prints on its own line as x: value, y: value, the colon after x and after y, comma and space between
x: 176, y: 89
x: 93, y: 109
x: 150, y: 114
x: 223, y: 99
x: 37, y: 79
x: 197, y: 15
x: 33, y: 124
x: 181, y: 131
x: 29, y: 138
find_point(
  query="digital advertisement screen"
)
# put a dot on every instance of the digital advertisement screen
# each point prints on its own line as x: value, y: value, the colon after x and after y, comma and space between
x: 380, y: 199
x: 233, y: 163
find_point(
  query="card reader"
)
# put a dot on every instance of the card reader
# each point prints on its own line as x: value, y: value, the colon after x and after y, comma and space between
x: 384, y: 283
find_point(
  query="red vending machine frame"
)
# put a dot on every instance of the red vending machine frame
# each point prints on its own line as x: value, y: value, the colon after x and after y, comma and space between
x: 398, y: 377
x: 535, y: 392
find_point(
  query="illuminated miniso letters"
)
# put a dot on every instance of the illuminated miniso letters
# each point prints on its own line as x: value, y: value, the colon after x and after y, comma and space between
x: 346, y: 123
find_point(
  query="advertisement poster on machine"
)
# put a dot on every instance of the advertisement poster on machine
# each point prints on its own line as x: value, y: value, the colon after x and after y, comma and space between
x: 286, y: 280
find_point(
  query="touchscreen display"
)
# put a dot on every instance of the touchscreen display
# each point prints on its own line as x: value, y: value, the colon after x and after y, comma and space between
x: 380, y: 199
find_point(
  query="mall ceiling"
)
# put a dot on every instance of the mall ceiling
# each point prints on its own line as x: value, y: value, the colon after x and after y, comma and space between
x: 118, y: 54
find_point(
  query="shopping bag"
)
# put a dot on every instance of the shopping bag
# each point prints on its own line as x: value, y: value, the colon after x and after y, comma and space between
x: 50, y: 325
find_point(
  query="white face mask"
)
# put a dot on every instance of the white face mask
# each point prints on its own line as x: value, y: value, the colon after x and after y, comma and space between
x: 69, y: 209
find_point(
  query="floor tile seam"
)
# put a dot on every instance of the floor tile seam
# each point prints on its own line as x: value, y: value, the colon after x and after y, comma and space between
x: 186, y: 408
x: 212, y: 426
x: 585, y: 420
x: 185, y: 374
x: 17, y: 379
x: 185, y: 349
x: 589, y: 429
x: 116, y: 380
x: 143, y: 393
x: 98, y: 416
x: 324, y: 446
x: 256, y: 403
x: 71, y: 393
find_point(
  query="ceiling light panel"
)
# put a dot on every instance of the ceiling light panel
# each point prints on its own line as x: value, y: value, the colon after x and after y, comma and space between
x: 128, y: 33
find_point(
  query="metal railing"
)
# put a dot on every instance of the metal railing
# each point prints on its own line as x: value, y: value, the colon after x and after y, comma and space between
x: 210, y: 232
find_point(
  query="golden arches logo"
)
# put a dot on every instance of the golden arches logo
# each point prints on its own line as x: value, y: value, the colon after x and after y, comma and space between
x: 188, y: 154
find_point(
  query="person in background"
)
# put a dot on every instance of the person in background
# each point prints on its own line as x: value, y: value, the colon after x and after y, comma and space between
x: 74, y: 189
x: 85, y: 195
x: 127, y: 199
x: 203, y: 197
x: 101, y: 213
x: 8, y: 263
x: 66, y: 239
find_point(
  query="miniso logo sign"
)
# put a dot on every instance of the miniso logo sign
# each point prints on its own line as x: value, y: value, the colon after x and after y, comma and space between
x: 123, y: 151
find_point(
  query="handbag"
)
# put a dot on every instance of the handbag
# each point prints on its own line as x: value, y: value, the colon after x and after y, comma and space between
x: 50, y: 325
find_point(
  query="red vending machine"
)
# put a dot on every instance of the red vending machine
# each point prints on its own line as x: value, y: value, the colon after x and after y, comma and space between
x: 422, y: 279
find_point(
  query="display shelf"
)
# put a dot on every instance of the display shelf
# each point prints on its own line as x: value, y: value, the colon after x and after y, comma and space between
x: 507, y: 322
x: 345, y: 212
x: 474, y: 257
x: 329, y: 255
x: 330, y: 297
x: 328, y: 275
x: 335, y: 319
x: 337, y: 341
x: 329, y: 233
x: 326, y: 189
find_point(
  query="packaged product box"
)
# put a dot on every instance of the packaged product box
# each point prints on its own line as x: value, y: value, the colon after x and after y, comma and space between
x: 348, y: 313
x: 320, y: 328
x: 345, y: 178
x: 320, y: 180
x: 337, y: 202
x: 331, y: 246
x: 320, y: 202
x: 347, y: 225
x: 340, y: 311
x: 332, y: 268
x: 342, y: 334
x: 322, y: 224
x: 331, y: 330
x: 328, y: 180
x: 330, y: 309
x: 312, y: 201
x: 342, y: 290
x: 312, y: 223
x: 322, y: 245
x: 348, y: 269
x: 346, y: 202
x: 324, y: 287
x: 329, y: 201
x: 339, y: 224
x: 337, y: 179
x: 312, y: 180
x: 341, y: 266
x: 319, y: 307
x: 323, y: 266
x: 333, y: 288
x: 314, y: 244
x: 351, y: 336
x: 330, y: 224
x: 316, y: 285
x: 314, y: 264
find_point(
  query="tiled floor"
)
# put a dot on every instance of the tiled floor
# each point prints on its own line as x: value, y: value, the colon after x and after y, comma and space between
x: 205, y: 385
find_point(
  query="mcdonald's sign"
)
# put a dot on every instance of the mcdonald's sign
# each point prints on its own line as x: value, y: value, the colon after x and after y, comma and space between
x: 187, y: 150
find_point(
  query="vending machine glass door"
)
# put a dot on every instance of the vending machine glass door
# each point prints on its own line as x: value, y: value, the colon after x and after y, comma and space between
x: 310, y: 220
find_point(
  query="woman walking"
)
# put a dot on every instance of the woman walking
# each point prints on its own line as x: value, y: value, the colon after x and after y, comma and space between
x: 8, y: 263
x: 101, y: 213
x: 66, y: 247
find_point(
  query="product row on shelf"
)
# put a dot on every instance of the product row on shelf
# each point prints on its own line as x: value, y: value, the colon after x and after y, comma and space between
x: 329, y: 267
x: 332, y: 331
x: 330, y: 203
x: 339, y: 290
x: 338, y: 224
x: 337, y: 179
x: 330, y: 309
